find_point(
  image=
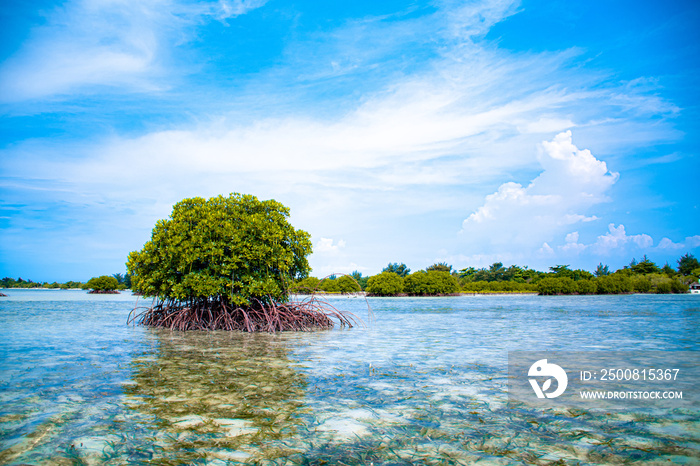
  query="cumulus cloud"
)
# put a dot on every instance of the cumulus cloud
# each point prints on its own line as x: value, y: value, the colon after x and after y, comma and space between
x: 572, y: 181
x: 690, y: 242
x: 615, y: 240
x: 617, y: 237
x: 572, y: 245
x: 326, y: 246
x: 416, y: 142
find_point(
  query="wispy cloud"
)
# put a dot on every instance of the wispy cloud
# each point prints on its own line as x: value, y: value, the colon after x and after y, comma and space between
x: 365, y: 139
x: 572, y: 181
x: 89, y: 45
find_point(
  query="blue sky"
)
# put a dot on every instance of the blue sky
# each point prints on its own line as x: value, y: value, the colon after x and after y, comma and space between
x: 534, y: 133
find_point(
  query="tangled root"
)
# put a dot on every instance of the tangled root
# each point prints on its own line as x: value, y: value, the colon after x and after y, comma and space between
x: 308, y: 314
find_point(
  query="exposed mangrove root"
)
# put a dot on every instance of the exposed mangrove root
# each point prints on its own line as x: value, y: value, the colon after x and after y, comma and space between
x: 308, y: 314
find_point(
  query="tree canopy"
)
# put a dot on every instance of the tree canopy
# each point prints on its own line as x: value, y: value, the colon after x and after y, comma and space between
x: 432, y: 282
x: 440, y: 267
x: 102, y: 283
x: 399, y: 269
x: 687, y: 264
x: 385, y: 284
x: 233, y: 249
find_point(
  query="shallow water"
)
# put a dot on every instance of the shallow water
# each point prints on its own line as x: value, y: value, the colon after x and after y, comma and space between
x: 425, y: 382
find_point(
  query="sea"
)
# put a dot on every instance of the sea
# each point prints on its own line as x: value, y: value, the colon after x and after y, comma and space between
x: 422, y: 380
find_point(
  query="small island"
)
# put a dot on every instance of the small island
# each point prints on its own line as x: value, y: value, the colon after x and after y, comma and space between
x: 226, y: 263
x: 102, y: 285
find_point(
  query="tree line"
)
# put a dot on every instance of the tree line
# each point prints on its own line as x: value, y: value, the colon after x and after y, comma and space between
x: 117, y: 281
x: 396, y: 279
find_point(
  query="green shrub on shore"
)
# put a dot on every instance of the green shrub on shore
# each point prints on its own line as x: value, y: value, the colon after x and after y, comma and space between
x: 342, y: 284
x: 329, y: 285
x: 556, y: 286
x: 102, y: 284
x: 385, y: 284
x: 617, y: 283
x: 641, y: 284
x: 306, y: 285
x: 499, y: 287
x: 585, y: 287
x: 430, y: 283
x: 614, y: 284
x: 332, y: 284
x: 347, y: 284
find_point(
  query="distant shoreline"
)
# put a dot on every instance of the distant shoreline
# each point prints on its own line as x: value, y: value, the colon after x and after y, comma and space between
x: 404, y: 295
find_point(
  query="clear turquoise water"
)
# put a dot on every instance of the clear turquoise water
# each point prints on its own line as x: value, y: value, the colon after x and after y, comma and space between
x: 424, y: 383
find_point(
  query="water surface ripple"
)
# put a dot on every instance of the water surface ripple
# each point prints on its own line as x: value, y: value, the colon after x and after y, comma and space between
x: 425, y: 383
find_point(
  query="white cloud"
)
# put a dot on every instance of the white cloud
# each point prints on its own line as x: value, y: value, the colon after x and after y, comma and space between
x: 690, y: 242
x: 572, y: 245
x: 434, y: 136
x: 116, y: 43
x: 616, y: 242
x: 326, y: 246
x: 666, y: 243
x: 572, y: 181
x: 224, y: 9
x: 616, y: 238
x: 546, y: 250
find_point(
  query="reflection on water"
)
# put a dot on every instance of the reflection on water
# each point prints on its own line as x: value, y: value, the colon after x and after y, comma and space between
x: 426, y: 384
x: 217, y: 395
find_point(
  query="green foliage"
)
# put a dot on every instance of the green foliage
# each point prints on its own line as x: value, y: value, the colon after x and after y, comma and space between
x: 498, y: 273
x: 678, y: 287
x: 602, y: 270
x: 440, y: 267
x: 124, y: 280
x: 687, y: 263
x: 560, y: 269
x: 498, y: 287
x: 8, y: 282
x: 586, y: 287
x: 430, y: 283
x: 664, y: 287
x: 102, y: 283
x: 385, y: 284
x: 616, y: 283
x: 399, y: 269
x: 662, y: 284
x: 347, y: 284
x: 305, y: 285
x: 360, y: 279
x: 70, y: 285
x: 556, y: 285
x: 641, y: 284
x: 233, y: 249
x: 332, y: 284
x: 329, y: 285
x: 668, y: 270
x: 645, y: 266
x: 563, y: 271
